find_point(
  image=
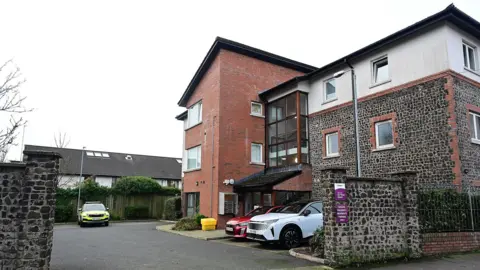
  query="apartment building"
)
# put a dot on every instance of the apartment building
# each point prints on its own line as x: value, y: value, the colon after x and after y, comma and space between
x: 418, y: 96
x: 418, y: 109
x: 224, y: 124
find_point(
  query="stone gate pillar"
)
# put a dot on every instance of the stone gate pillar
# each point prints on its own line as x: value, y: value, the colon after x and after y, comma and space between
x: 410, y: 184
x: 337, y: 242
x: 27, y: 203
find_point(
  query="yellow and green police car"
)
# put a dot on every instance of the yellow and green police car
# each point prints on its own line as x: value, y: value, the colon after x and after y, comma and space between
x: 93, y: 213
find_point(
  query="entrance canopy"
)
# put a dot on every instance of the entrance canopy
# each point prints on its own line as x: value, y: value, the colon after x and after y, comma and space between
x: 266, y: 179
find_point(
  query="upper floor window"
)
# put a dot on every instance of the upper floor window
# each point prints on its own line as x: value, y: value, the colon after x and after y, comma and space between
x: 469, y: 56
x: 195, y: 114
x: 194, y: 158
x: 474, y: 120
x: 332, y: 146
x: 330, y: 90
x: 384, y: 134
x: 256, y: 109
x: 380, y: 70
x: 256, y: 153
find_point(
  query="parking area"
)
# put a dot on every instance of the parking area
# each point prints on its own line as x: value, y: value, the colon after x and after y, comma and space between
x: 141, y: 246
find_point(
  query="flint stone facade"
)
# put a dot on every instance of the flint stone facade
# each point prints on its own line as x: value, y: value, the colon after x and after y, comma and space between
x: 27, y: 211
x: 422, y: 131
x: 383, y: 220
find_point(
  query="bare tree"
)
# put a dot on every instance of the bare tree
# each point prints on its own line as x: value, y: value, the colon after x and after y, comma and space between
x: 61, y: 140
x: 64, y: 180
x: 11, y: 102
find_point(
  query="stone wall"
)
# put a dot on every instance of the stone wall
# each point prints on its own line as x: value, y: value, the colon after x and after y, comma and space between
x: 27, y: 206
x: 467, y: 98
x: 421, y: 124
x: 382, y: 218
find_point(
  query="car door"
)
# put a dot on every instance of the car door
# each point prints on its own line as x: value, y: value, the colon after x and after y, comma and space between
x: 313, y: 221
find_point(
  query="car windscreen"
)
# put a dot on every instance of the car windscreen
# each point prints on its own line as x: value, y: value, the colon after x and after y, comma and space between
x: 258, y: 211
x: 93, y: 207
x: 293, y: 208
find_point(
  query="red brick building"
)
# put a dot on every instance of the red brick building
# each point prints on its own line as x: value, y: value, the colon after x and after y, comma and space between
x: 226, y: 169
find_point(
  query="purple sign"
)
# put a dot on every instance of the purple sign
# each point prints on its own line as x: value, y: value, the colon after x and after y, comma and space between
x: 340, y: 192
x: 342, y: 213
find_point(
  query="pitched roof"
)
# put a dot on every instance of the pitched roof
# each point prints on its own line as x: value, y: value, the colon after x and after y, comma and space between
x: 222, y: 43
x: 182, y: 116
x: 451, y: 14
x: 115, y: 164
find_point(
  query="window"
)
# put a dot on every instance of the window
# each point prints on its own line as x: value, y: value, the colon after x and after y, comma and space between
x: 380, y: 70
x: 474, y: 120
x: 469, y: 56
x: 256, y: 153
x: 330, y: 90
x: 194, y: 158
x: 195, y: 114
x: 283, y: 135
x: 90, y: 154
x: 384, y: 134
x: 105, y: 155
x: 256, y: 109
x: 98, y: 154
x: 332, y: 144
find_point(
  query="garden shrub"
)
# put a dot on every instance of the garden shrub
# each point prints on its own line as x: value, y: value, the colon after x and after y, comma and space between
x: 136, y: 212
x: 317, y: 243
x: 447, y: 211
x: 64, y: 213
x: 186, y: 224
x: 173, y: 208
x: 198, y: 219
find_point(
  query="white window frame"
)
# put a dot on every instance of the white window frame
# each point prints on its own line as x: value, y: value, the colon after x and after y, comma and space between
x: 475, y: 127
x: 251, y: 109
x: 377, y: 145
x: 190, y: 118
x: 327, y: 152
x: 468, y: 45
x: 261, y: 153
x: 374, y: 69
x: 325, y: 99
x: 198, y: 158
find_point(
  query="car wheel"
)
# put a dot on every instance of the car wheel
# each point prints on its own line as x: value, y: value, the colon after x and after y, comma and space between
x: 106, y: 223
x: 81, y: 224
x: 290, y: 237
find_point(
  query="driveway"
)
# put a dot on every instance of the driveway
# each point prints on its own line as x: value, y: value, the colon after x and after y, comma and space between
x: 139, y: 246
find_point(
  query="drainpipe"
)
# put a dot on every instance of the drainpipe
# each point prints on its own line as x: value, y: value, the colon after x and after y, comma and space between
x: 212, y: 167
x: 355, y: 117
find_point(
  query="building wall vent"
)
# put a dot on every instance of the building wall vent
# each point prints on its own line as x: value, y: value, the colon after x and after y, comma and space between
x: 128, y: 157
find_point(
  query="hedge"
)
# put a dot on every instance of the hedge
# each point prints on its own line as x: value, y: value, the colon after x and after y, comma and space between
x: 64, y: 213
x: 186, y: 224
x: 448, y: 211
x: 173, y: 208
x: 137, y: 212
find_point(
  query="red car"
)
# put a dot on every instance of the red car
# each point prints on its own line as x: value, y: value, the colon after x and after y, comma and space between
x: 237, y: 227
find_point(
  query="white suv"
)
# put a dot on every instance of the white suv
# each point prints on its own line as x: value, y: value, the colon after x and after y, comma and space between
x: 289, y: 226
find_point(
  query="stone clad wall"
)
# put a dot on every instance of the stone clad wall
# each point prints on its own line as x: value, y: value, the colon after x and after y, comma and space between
x: 27, y: 211
x: 421, y: 130
x: 383, y: 221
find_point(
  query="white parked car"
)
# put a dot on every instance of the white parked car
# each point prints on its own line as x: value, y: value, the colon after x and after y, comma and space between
x: 289, y: 226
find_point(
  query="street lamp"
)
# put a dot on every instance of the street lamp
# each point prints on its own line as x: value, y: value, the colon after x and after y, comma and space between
x: 355, y: 113
x: 80, y: 179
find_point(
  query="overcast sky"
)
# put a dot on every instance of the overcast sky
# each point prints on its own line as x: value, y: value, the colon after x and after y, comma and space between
x: 110, y: 73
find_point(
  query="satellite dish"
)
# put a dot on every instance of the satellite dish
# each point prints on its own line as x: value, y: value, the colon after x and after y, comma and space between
x: 232, y: 181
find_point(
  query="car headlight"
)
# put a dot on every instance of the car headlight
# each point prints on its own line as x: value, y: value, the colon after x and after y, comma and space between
x: 243, y: 224
x: 268, y: 222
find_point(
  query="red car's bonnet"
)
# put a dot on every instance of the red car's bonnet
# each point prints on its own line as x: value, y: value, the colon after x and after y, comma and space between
x: 239, y: 220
